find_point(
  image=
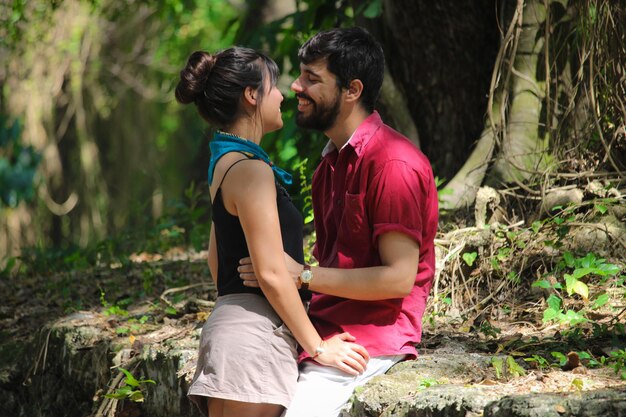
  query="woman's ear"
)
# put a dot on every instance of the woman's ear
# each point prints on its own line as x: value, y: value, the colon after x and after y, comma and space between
x: 354, y: 91
x: 249, y: 96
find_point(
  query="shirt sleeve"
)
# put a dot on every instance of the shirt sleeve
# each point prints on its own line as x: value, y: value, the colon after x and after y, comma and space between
x: 396, y: 201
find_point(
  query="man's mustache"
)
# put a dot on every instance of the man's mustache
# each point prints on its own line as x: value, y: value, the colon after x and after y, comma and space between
x: 302, y: 95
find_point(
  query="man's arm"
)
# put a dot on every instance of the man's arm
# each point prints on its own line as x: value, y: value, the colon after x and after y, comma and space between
x: 399, y: 255
x: 395, y: 278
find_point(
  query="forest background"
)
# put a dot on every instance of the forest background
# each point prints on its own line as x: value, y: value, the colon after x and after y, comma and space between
x: 93, y: 143
x: 519, y: 105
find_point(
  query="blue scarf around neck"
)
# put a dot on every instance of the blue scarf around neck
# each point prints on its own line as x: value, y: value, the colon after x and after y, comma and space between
x: 223, y: 143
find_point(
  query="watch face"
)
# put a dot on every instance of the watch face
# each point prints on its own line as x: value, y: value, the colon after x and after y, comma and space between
x: 306, y: 276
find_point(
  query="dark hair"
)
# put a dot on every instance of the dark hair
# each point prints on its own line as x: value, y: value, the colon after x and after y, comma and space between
x: 215, y: 83
x: 350, y: 53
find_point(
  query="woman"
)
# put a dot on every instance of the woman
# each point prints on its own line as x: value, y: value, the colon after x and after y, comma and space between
x: 247, y: 358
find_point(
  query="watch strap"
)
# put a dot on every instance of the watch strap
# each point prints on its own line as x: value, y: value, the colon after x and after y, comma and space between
x: 305, y: 285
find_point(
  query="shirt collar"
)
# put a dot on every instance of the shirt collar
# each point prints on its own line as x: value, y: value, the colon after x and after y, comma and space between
x: 360, y: 137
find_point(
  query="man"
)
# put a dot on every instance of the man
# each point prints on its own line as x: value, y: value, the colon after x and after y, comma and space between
x: 375, y: 209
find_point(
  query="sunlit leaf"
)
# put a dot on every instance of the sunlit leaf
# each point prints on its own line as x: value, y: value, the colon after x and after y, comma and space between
x: 498, y: 366
x: 542, y: 284
x: 130, y: 379
x: 469, y: 258
x: 581, y: 289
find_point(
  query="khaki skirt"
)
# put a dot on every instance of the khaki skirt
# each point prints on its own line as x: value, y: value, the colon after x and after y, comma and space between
x: 246, y: 354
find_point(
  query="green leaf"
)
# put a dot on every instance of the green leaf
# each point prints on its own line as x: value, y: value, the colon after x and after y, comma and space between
x: 569, y: 283
x: 116, y: 396
x: 130, y: 379
x: 536, y: 226
x: 122, y: 330
x: 514, y: 368
x: 581, y: 289
x: 374, y: 9
x: 469, y: 258
x: 589, y: 261
x: 581, y: 272
x: 542, y: 284
x: 560, y: 357
x: 569, y: 259
x: 554, y: 302
x: 136, y: 396
x: 608, y: 269
x: 601, y: 208
x: 600, y: 301
x: 513, y: 277
x: 578, y: 384
x: 498, y: 366
x: 551, y: 314
x: 572, y: 318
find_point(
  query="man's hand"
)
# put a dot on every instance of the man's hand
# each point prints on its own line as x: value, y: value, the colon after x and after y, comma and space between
x: 246, y: 271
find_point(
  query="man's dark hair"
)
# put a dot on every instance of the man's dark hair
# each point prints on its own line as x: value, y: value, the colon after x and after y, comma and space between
x: 350, y: 53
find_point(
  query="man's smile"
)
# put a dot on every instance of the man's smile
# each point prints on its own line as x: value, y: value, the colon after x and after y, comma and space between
x: 303, y: 102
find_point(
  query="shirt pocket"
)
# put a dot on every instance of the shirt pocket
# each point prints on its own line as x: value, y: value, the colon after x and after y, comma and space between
x: 355, y: 222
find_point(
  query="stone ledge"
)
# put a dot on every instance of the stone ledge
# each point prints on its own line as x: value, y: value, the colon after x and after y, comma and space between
x: 81, y: 353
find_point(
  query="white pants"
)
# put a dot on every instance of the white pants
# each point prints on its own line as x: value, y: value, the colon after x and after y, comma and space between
x: 323, y: 391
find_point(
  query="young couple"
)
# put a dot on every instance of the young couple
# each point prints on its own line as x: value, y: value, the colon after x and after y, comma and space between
x: 375, y: 207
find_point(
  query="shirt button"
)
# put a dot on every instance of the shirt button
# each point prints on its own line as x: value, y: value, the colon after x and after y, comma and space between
x: 339, y: 202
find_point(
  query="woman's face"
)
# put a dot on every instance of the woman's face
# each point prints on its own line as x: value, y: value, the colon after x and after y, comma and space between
x: 271, y: 116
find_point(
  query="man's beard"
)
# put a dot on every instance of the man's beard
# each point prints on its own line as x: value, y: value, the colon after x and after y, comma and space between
x: 322, y: 117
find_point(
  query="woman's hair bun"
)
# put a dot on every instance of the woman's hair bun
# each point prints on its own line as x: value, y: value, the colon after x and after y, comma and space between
x: 194, y: 76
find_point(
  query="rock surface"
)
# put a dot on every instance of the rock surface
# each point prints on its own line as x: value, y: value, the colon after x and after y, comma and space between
x: 76, y: 360
x: 53, y: 364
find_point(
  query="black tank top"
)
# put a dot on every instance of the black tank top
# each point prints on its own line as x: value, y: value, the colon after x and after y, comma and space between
x: 231, y: 242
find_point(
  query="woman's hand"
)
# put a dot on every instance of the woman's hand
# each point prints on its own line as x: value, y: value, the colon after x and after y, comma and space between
x: 246, y: 271
x: 342, y: 353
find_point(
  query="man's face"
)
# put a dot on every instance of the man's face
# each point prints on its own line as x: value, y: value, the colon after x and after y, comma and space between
x: 319, y: 97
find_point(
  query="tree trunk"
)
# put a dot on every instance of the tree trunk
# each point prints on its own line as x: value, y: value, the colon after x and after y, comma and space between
x: 523, y: 149
x: 440, y: 55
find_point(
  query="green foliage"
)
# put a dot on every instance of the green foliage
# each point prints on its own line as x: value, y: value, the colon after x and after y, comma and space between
x: 560, y: 358
x: 18, y: 164
x: 469, y: 258
x: 574, y: 270
x: 498, y: 366
x: 488, y: 329
x: 617, y: 358
x: 305, y: 191
x: 506, y: 367
x: 539, y: 361
x: 441, y: 191
x: 426, y: 383
x: 514, y: 368
x: 111, y: 310
x: 186, y: 224
x: 132, y: 390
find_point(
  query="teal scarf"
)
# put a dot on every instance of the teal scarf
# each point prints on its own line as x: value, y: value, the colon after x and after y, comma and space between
x: 223, y: 143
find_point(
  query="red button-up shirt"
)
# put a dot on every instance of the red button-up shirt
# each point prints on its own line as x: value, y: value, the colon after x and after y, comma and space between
x: 378, y: 183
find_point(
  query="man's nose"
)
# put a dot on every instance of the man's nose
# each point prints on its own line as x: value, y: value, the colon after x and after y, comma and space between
x: 296, y: 86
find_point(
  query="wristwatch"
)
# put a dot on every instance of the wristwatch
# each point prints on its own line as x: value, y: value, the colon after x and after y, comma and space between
x: 306, y: 276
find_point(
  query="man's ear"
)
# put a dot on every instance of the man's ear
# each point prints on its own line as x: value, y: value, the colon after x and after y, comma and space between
x: 354, y: 90
x: 249, y: 96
